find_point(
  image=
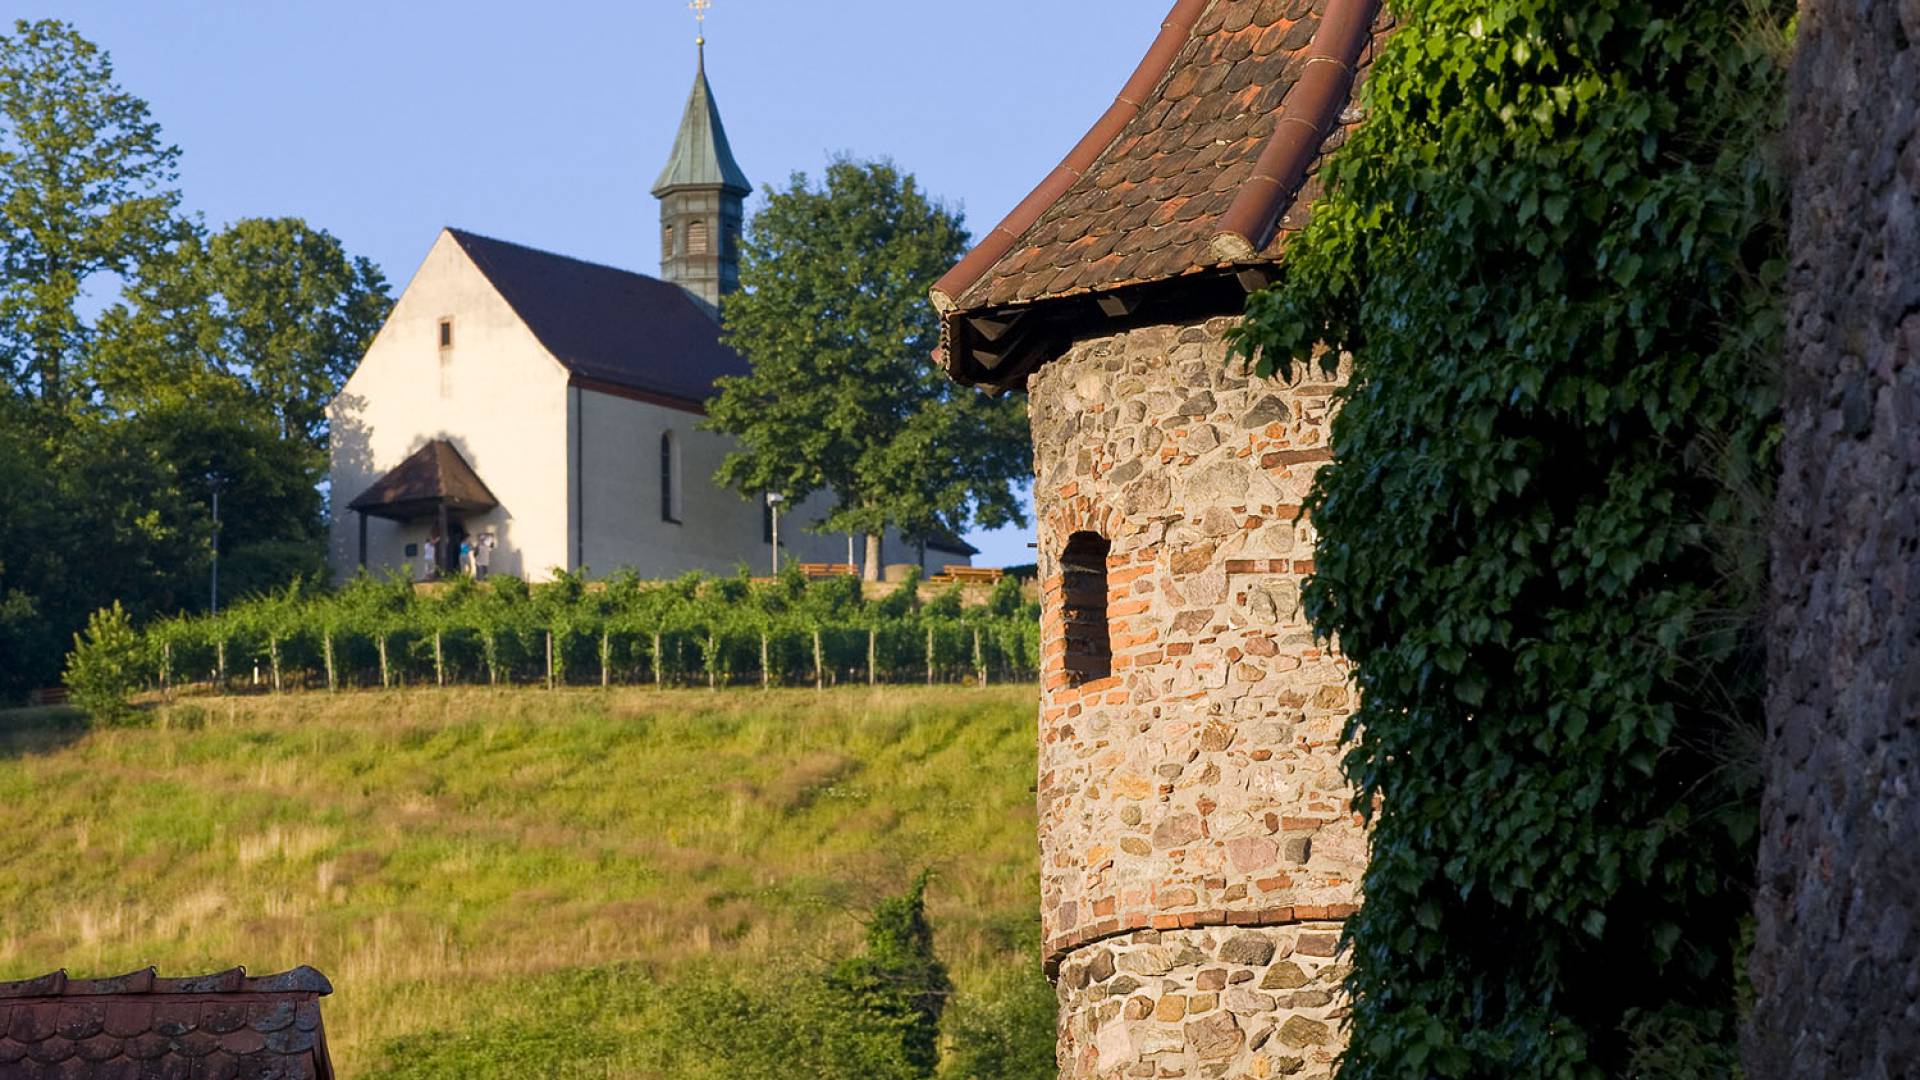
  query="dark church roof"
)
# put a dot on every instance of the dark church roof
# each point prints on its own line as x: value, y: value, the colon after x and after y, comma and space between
x: 433, y: 476
x: 612, y: 329
x: 701, y: 156
x: 1208, y: 158
x: 138, y: 1025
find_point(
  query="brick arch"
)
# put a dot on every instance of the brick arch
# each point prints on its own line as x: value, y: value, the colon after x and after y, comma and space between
x: 1057, y: 522
x: 1076, y: 513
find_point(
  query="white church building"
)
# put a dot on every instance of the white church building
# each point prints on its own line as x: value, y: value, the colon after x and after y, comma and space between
x: 553, y: 405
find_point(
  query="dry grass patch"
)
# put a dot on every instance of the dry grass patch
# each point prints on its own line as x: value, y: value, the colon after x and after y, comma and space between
x: 419, y: 847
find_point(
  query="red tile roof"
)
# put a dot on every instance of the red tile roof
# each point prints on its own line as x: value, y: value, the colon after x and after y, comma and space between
x: 224, y: 1026
x: 1207, y: 158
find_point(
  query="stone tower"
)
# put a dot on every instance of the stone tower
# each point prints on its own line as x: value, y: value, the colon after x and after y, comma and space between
x: 701, y: 192
x: 1197, y: 842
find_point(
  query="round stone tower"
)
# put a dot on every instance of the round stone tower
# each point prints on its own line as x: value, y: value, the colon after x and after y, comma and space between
x: 1198, y: 846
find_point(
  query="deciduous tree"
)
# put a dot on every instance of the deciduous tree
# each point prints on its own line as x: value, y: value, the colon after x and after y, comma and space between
x: 86, y: 187
x: 842, y: 398
x: 273, y: 304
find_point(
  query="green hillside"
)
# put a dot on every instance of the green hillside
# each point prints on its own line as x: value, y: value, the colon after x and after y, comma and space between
x: 492, y: 875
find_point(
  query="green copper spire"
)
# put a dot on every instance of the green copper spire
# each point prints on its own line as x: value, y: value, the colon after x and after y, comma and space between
x: 701, y: 156
x: 702, y: 195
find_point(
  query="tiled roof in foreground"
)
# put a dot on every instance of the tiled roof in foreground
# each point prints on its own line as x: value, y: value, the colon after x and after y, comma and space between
x: 1208, y: 157
x: 137, y: 1026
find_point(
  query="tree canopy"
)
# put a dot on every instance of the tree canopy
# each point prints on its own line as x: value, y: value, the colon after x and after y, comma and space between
x: 272, y: 310
x: 86, y: 187
x: 1553, y: 252
x: 212, y: 370
x: 842, y: 397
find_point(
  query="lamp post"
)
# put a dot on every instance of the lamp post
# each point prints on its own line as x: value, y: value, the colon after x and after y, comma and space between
x: 213, y: 590
x: 774, y: 499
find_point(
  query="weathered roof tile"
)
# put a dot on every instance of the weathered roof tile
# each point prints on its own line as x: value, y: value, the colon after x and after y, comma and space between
x: 1180, y: 146
x: 139, y: 1027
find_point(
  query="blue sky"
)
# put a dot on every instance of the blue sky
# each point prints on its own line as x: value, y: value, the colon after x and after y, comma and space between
x: 545, y: 123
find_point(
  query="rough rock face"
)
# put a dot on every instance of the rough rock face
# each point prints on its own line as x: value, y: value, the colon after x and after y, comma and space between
x: 1197, y: 846
x: 1837, y: 961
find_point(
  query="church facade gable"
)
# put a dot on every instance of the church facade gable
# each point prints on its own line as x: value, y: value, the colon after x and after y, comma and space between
x: 455, y: 362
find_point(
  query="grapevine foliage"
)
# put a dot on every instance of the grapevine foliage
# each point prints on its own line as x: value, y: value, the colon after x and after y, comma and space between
x: 694, y: 630
x: 1552, y: 251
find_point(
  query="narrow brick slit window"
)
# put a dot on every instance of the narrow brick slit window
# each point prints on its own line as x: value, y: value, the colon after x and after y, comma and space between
x: 1083, y: 572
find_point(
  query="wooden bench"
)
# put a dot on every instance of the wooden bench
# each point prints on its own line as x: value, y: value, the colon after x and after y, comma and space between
x: 52, y: 695
x: 967, y: 575
x: 828, y: 569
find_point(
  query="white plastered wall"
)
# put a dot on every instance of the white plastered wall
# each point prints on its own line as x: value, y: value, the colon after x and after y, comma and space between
x: 496, y: 395
x: 717, y: 529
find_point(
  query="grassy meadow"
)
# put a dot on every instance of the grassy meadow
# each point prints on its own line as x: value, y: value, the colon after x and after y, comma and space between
x: 485, y: 874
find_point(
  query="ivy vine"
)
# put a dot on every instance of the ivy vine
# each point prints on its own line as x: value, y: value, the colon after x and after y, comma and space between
x: 1553, y: 252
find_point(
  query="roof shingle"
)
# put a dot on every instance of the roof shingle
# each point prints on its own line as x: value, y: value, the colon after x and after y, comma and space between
x: 224, y: 1026
x: 1207, y: 160
x: 432, y: 476
x: 609, y: 326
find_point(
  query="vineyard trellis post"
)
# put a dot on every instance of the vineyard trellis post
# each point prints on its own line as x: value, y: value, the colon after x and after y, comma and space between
x: 300, y: 637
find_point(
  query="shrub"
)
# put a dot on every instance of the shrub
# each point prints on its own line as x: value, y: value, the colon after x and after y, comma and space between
x: 104, y: 668
x: 1004, y: 1030
x: 893, y: 994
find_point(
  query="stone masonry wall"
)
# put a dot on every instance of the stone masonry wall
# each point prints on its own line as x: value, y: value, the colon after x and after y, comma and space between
x: 1836, y: 967
x: 1197, y: 846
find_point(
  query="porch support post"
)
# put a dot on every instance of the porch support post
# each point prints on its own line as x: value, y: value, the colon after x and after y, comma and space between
x: 363, y: 538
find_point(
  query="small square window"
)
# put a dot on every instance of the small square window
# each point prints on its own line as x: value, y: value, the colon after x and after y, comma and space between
x: 446, y: 333
x: 413, y: 551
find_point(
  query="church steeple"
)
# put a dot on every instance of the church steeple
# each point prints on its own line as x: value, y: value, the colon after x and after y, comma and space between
x: 701, y: 193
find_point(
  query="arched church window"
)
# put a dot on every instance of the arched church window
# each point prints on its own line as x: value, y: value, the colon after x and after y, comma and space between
x: 669, y: 478
x: 697, y: 238
x: 1083, y: 571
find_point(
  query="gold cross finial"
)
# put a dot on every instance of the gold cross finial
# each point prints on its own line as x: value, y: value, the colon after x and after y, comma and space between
x: 699, y: 9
